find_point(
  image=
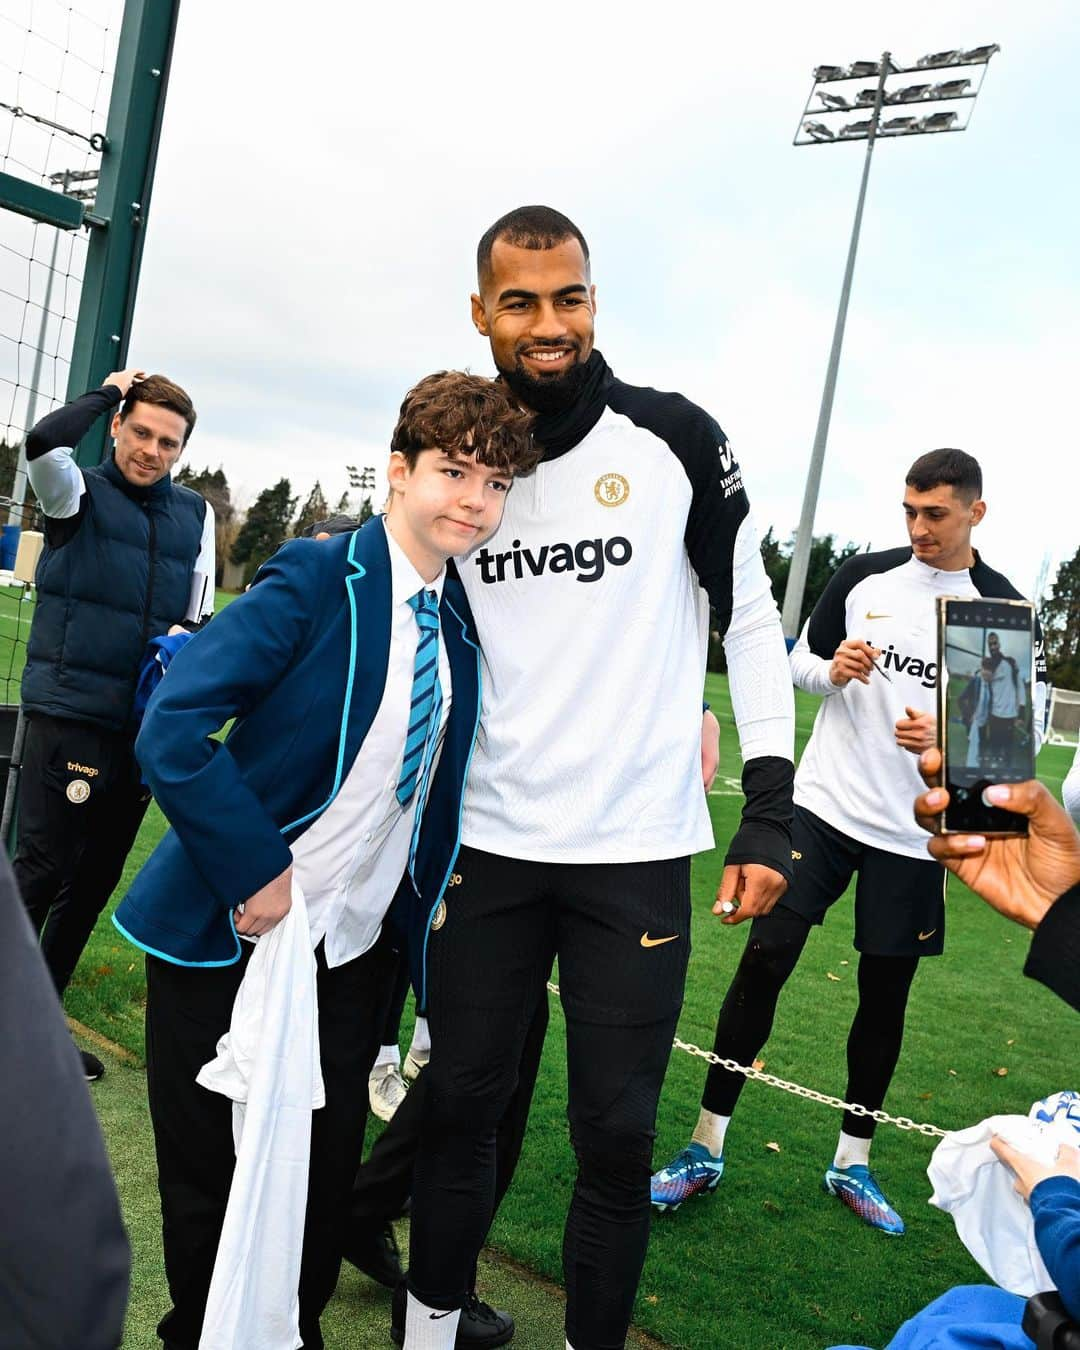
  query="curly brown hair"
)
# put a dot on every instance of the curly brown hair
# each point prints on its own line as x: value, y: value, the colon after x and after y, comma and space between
x: 460, y: 414
x: 163, y: 393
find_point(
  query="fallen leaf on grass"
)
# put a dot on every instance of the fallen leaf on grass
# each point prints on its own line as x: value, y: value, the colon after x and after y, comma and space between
x: 773, y: 1146
x: 952, y: 1073
x: 1012, y: 1042
x: 652, y: 1298
x: 830, y: 976
x: 844, y: 963
x: 925, y: 1096
x: 1000, y: 1073
x: 758, y: 1064
x: 771, y: 1207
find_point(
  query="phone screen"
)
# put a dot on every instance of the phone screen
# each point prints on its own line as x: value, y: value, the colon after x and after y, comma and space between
x: 985, y: 708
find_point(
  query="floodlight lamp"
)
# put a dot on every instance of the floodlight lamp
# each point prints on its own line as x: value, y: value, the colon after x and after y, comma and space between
x: 859, y: 70
x: 856, y: 129
x: 978, y: 55
x: 818, y: 130
x: 866, y: 98
x: 950, y: 89
x: 911, y: 93
x: 833, y: 102
x: 895, y: 125
x: 937, y: 59
x: 828, y: 73
x: 941, y: 121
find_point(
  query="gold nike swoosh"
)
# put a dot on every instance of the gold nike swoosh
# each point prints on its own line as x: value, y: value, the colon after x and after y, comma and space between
x: 924, y: 936
x: 877, y: 616
x: 647, y: 941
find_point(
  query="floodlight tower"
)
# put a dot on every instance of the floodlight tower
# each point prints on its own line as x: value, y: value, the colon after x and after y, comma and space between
x: 956, y: 90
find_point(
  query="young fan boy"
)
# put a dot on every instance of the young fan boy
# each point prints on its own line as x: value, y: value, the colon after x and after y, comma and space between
x: 352, y: 670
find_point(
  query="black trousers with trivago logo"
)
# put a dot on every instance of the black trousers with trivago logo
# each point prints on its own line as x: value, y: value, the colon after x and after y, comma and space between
x: 81, y: 802
x: 621, y: 935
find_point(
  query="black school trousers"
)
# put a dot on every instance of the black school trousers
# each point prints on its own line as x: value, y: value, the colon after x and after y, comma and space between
x: 187, y: 1010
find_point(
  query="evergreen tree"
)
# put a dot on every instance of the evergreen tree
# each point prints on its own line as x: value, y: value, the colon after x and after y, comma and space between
x: 366, y: 510
x: 214, y: 486
x: 1061, y: 626
x: 265, y: 527
x: 314, y: 509
x: 344, y: 506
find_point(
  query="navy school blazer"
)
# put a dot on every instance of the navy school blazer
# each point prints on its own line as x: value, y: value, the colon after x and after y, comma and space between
x: 300, y: 662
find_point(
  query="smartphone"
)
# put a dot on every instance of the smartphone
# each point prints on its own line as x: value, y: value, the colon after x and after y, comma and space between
x: 986, y: 675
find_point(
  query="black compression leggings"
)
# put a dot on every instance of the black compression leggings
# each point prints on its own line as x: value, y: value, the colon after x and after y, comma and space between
x: 772, y: 952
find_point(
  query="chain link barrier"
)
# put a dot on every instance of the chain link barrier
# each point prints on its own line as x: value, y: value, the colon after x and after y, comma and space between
x: 797, y: 1089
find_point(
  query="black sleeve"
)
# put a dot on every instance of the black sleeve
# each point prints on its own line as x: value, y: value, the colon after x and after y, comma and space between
x: 68, y: 425
x: 1054, y: 958
x: 63, y: 1251
x: 718, y: 504
x: 827, y: 626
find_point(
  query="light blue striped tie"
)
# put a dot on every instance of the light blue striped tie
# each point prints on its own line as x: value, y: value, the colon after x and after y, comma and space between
x: 425, y: 715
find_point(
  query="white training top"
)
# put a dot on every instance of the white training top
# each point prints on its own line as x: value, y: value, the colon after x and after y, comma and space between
x: 592, y: 606
x: 852, y: 773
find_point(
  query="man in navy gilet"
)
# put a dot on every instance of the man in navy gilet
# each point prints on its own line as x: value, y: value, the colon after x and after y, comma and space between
x: 129, y: 556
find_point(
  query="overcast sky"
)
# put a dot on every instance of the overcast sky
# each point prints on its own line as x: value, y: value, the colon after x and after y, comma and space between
x: 322, y: 181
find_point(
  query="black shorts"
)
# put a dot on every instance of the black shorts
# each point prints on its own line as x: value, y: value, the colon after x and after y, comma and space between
x: 899, y: 901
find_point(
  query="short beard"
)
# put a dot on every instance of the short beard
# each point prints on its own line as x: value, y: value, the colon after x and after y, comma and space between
x: 550, y: 396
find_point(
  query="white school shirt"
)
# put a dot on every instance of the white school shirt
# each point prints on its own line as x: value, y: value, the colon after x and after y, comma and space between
x: 349, y: 863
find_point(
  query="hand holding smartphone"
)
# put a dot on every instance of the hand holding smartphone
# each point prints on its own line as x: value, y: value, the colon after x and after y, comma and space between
x: 986, y: 663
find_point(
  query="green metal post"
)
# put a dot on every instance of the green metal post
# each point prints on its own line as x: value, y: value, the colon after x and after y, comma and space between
x: 122, y: 203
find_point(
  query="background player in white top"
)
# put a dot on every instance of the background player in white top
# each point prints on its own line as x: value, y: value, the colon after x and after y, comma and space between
x: 585, y: 797
x: 870, y: 648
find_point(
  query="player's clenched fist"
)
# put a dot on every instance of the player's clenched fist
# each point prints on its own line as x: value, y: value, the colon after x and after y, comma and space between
x: 854, y: 660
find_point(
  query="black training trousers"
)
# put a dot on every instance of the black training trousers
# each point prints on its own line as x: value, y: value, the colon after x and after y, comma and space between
x: 385, y: 1182
x: 621, y: 935
x: 187, y: 1010
x: 81, y: 802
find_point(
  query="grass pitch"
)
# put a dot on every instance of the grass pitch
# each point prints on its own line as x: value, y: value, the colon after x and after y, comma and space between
x: 768, y: 1262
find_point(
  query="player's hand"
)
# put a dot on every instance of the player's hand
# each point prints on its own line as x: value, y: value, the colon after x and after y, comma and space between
x: 1020, y: 876
x: 710, y: 748
x: 1030, y: 1171
x: 124, y: 379
x: 267, y: 907
x: 853, y: 660
x: 917, y: 731
x: 755, y: 886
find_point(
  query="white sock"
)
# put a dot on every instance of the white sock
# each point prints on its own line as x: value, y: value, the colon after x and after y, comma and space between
x: 710, y: 1131
x: 851, y: 1151
x: 429, y: 1328
x: 389, y: 1057
x: 420, y: 1049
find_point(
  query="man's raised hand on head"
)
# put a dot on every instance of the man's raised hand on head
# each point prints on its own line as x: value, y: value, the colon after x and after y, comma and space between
x: 124, y: 379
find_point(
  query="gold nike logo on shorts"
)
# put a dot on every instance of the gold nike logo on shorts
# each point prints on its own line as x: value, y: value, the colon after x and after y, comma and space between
x: 647, y: 941
x: 871, y: 615
x: 924, y: 936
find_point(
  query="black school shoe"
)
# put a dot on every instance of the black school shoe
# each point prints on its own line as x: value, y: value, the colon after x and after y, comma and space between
x: 92, y: 1066
x: 376, y: 1255
x: 481, y: 1326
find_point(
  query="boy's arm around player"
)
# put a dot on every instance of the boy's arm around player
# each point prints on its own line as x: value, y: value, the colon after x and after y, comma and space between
x: 225, y: 829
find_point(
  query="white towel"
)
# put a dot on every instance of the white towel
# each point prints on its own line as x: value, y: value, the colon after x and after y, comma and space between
x: 268, y: 1065
x: 992, y: 1221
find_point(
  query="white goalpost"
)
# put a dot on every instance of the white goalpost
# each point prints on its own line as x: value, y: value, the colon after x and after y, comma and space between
x: 1063, y: 720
